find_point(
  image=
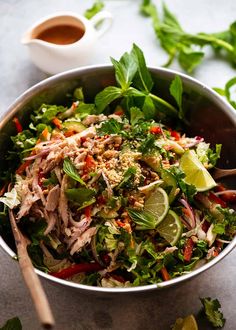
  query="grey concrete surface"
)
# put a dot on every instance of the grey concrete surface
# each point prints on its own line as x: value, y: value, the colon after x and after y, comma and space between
x: 72, y: 310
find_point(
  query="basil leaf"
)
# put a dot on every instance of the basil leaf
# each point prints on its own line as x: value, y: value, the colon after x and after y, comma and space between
x: 80, y: 195
x: 70, y: 169
x: 143, y: 80
x: 105, y: 97
x: 12, y: 324
x: 143, y: 219
x: 176, y: 90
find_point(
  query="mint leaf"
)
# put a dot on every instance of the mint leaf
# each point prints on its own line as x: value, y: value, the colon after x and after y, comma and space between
x: 176, y: 90
x: 213, y: 314
x: 80, y: 195
x: 186, y: 47
x: 12, y: 324
x: 105, y: 97
x: 96, y: 8
x: 189, y: 59
x: 143, y: 219
x: 70, y: 169
x: 125, y: 70
x: 143, y: 80
x: 128, y: 178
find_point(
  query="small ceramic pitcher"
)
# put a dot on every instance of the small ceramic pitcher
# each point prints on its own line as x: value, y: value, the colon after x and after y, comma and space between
x: 52, y: 52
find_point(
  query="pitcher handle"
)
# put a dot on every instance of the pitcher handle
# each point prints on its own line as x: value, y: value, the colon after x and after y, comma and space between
x: 105, y: 19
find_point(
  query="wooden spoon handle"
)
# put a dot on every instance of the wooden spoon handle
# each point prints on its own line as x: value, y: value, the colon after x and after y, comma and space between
x: 219, y: 173
x: 31, y: 279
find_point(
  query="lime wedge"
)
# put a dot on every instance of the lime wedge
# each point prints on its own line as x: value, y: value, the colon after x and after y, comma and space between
x: 188, y: 323
x: 170, y: 228
x: 196, y: 173
x: 157, y: 204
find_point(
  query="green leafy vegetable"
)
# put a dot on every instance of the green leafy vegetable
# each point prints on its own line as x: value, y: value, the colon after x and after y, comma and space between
x: 186, y: 47
x: 12, y: 324
x: 143, y: 219
x: 176, y: 90
x: 105, y: 97
x: 96, y: 8
x: 46, y: 113
x: 70, y: 169
x: 188, y: 190
x: 211, y: 309
x: 229, y: 91
x: 80, y: 195
x: 128, y: 178
x: 135, y: 115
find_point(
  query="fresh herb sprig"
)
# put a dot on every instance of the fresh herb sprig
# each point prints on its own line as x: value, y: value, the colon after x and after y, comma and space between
x: 96, y: 8
x: 211, y: 309
x: 187, y: 48
x: 229, y: 91
x: 134, y: 85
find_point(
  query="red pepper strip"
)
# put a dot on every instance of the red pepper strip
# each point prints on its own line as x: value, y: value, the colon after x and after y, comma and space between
x: 188, y: 249
x: 205, y: 226
x: 87, y: 211
x: 119, y: 112
x: 165, y: 275
x: 23, y: 166
x: 175, y: 135
x: 18, y: 125
x: 89, y: 164
x: 155, y: 130
x: 76, y: 269
x: 217, y: 200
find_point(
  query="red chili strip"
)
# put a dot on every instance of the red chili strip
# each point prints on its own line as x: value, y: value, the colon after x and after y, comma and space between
x: 217, y: 200
x: 188, y: 249
x: 76, y: 269
x: 155, y: 130
x: 164, y: 273
x: 18, y: 125
x: 175, y: 135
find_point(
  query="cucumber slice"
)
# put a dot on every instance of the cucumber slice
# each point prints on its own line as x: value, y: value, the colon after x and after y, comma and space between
x: 73, y: 125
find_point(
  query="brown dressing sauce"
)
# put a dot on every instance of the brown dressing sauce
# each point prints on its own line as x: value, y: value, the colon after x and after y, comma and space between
x: 61, y: 34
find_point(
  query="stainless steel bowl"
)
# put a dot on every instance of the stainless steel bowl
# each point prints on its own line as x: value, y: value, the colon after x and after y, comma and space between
x: 209, y: 116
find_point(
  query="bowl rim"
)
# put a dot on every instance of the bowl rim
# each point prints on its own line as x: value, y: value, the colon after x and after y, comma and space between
x: 47, y: 83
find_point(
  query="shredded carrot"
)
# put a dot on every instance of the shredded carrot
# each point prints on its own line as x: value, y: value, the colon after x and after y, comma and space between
x: 44, y: 133
x: 23, y: 167
x: 164, y: 273
x: 69, y: 133
x: 57, y: 122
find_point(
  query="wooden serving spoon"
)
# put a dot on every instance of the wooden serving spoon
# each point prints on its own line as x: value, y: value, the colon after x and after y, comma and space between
x: 31, y: 279
x: 219, y: 173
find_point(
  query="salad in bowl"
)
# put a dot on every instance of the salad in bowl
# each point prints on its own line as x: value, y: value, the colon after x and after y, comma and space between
x: 114, y: 192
